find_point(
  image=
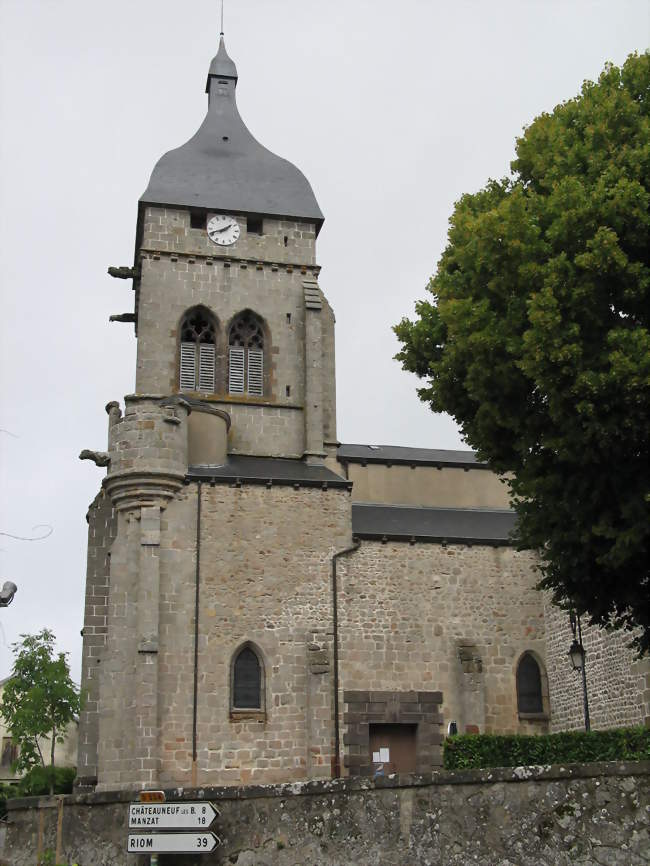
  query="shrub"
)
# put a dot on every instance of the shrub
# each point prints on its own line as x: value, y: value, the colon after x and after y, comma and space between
x: 477, y: 751
x: 6, y: 793
x: 36, y: 781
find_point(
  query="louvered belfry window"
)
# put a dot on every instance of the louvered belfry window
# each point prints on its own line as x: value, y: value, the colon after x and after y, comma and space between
x: 529, y: 686
x: 247, y: 681
x: 198, y: 352
x: 246, y: 355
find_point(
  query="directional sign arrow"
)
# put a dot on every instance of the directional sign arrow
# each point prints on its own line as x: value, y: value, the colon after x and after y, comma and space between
x: 170, y: 816
x: 181, y: 843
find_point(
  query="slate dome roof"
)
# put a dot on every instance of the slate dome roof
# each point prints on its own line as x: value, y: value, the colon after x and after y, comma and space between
x: 222, y: 167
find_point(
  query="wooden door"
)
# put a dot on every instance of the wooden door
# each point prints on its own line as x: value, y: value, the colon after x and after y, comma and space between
x: 394, y: 748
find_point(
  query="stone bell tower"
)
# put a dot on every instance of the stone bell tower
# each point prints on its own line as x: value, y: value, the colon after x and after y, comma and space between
x: 228, y: 308
x: 235, y: 362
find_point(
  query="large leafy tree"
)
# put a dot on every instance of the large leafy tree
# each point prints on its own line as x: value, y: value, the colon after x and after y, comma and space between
x: 536, y: 341
x: 39, y: 700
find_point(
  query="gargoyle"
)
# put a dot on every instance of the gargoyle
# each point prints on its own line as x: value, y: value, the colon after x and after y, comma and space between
x: 99, y: 458
x: 122, y: 273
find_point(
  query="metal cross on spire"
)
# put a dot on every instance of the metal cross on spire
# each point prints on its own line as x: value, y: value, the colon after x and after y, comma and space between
x: 221, y: 34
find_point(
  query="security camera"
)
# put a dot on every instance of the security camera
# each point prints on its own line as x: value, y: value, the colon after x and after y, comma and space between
x: 7, y: 593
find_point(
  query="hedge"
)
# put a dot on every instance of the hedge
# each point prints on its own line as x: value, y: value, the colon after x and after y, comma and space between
x: 478, y: 751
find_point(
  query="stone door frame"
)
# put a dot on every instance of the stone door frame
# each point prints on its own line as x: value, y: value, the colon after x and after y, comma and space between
x: 392, y: 707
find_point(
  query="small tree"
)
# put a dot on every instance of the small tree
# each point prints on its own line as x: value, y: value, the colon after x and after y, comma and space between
x: 39, y: 700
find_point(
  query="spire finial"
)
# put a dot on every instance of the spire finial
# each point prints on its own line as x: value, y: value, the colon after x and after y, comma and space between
x: 221, y: 66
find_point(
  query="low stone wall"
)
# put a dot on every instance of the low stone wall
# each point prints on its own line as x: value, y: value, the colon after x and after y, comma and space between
x: 527, y: 816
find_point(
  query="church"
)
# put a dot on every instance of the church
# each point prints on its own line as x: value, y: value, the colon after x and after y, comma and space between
x: 263, y: 602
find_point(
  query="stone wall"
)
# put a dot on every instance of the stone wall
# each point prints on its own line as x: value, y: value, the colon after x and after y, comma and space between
x: 169, y: 230
x: 102, y: 526
x: 269, y: 431
x: 618, y: 684
x: 456, y: 618
x: 447, y: 487
x: 527, y: 816
x: 180, y: 268
x: 170, y: 287
x: 265, y: 573
x: 265, y: 579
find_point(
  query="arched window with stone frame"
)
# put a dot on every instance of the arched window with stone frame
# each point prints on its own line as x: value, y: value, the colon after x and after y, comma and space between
x: 198, y: 351
x: 532, y: 686
x: 246, y: 344
x: 247, y: 680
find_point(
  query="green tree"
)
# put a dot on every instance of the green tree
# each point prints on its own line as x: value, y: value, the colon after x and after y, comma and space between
x: 536, y: 341
x: 39, y: 700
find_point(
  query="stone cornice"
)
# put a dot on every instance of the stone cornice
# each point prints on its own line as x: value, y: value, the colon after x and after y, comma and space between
x: 134, y: 489
x: 229, y: 261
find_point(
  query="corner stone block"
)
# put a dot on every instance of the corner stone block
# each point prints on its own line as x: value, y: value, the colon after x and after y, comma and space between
x: 150, y: 525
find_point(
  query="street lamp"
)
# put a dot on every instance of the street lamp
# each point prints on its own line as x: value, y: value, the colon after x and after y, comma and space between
x: 577, y: 655
x: 7, y: 593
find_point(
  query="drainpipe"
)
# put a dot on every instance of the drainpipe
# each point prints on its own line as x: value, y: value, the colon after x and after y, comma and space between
x: 196, y: 633
x: 336, y: 769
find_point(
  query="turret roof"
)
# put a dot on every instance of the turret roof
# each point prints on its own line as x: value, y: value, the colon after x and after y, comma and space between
x: 223, y: 167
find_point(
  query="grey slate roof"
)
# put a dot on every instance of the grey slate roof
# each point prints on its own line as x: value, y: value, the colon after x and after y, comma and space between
x: 264, y: 470
x: 223, y: 168
x: 461, y: 525
x: 410, y: 456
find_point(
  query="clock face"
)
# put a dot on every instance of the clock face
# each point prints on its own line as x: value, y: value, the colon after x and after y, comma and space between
x: 223, y: 230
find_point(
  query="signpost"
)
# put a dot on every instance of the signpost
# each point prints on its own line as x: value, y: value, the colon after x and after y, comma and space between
x: 152, y: 812
x: 180, y: 843
x: 168, y: 816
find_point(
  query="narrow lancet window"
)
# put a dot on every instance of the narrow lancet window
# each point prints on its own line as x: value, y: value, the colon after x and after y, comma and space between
x: 247, y: 681
x: 529, y: 685
x: 198, y: 352
x: 246, y: 355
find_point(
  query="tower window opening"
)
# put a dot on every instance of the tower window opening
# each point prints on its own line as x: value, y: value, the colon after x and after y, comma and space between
x: 246, y: 355
x: 288, y: 390
x: 198, y: 352
x: 197, y: 219
x: 288, y: 318
x: 255, y: 225
x: 286, y: 240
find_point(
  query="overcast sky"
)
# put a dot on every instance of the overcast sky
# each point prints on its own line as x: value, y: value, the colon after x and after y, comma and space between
x: 392, y: 110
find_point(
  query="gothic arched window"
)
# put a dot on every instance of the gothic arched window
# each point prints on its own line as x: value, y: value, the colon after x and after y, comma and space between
x: 246, y: 355
x: 529, y: 685
x: 247, y: 691
x: 198, y: 351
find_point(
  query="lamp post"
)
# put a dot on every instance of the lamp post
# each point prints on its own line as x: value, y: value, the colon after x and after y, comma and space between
x: 7, y: 593
x: 577, y: 655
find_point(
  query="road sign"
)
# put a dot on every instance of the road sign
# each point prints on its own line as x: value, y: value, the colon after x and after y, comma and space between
x: 152, y: 796
x: 171, y: 816
x: 181, y: 843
